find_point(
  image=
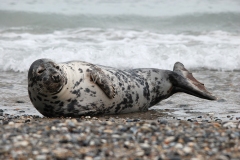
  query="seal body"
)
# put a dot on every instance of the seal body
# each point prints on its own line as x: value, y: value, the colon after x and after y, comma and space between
x: 77, y: 88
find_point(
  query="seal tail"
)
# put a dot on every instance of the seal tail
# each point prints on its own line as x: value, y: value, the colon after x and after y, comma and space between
x: 184, y: 81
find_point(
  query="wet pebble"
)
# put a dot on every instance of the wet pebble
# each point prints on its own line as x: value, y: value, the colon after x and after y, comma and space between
x: 20, y: 101
x: 42, y: 138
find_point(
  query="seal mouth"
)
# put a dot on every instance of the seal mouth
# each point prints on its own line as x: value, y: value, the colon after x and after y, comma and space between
x: 53, y: 84
x: 59, y: 90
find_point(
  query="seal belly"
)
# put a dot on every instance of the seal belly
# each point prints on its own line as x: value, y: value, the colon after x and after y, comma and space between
x: 89, y: 96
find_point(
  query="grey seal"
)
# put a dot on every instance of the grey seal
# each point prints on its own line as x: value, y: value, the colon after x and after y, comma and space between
x: 77, y: 88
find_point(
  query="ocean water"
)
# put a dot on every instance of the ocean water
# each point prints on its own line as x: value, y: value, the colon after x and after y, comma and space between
x: 204, y: 35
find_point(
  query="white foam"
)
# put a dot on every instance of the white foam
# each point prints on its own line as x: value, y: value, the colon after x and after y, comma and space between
x: 121, y: 48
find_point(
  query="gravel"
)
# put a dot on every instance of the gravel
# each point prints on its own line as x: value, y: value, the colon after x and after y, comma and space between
x: 113, y: 137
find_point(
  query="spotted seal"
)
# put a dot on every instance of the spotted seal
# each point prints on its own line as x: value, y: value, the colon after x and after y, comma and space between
x: 77, y: 88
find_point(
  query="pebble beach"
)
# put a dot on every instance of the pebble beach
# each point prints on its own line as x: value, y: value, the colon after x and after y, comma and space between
x: 118, y: 137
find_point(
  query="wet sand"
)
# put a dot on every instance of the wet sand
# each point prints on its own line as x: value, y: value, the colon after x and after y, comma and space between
x: 224, y: 85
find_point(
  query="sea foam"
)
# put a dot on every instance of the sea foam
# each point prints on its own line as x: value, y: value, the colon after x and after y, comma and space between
x: 121, y: 48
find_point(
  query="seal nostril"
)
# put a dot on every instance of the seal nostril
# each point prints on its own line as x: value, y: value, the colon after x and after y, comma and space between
x: 56, y: 78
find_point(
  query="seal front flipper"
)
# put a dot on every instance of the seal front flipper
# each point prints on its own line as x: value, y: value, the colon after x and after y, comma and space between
x: 103, y: 81
x: 184, y: 81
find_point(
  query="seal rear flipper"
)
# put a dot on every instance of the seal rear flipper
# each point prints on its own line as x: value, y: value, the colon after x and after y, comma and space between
x: 184, y: 81
x: 102, y: 80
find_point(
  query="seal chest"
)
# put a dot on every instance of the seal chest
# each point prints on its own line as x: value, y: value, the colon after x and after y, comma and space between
x: 77, y: 88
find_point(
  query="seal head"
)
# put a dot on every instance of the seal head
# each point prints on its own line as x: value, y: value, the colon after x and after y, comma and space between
x: 46, y: 76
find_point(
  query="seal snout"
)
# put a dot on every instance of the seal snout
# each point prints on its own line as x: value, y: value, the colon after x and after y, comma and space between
x: 56, y: 78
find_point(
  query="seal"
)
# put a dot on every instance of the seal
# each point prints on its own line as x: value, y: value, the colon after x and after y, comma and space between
x: 77, y: 88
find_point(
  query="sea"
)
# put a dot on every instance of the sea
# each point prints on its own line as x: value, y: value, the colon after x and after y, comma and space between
x: 202, y: 34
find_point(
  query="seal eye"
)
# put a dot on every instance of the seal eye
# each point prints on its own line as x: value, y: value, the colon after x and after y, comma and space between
x: 57, y: 67
x: 41, y: 71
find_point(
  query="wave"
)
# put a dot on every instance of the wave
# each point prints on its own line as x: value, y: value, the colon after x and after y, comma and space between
x: 121, y: 48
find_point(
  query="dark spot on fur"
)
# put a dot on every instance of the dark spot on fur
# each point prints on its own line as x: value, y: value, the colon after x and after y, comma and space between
x: 48, y: 110
x: 137, y: 97
x: 76, y: 92
x: 39, y: 98
x: 146, y: 92
x: 61, y: 104
x: 77, y: 83
x: 43, y: 95
x: 54, y: 97
x: 69, y: 100
x: 87, y: 90
x: 126, y: 103
x: 56, y: 102
x: 70, y: 106
x: 80, y: 70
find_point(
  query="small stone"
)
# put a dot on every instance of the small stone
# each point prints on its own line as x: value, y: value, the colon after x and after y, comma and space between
x: 108, y: 131
x: 41, y: 157
x: 229, y: 125
x: 95, y: 118
x: 88, y: 117
x: 179, y: 146
x: 27, y: 120
x: 169, y: 139
x: 146, y: 128
x: 145, y: 146
x: 139, y: 153
x: 22, y: 143
x: 218, y: 120
x: 11, y: 123
x: 210, y: 114
x: 1, y: 110
x: 136, y: 120
x: 19, y: 101
x: 187, y: 150
x: 88, y: 158
x: 35, y: 152
x: 163, y: 121
x: 129, y: 120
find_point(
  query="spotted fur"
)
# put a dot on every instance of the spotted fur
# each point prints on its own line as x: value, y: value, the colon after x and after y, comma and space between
x: 77, y: 88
